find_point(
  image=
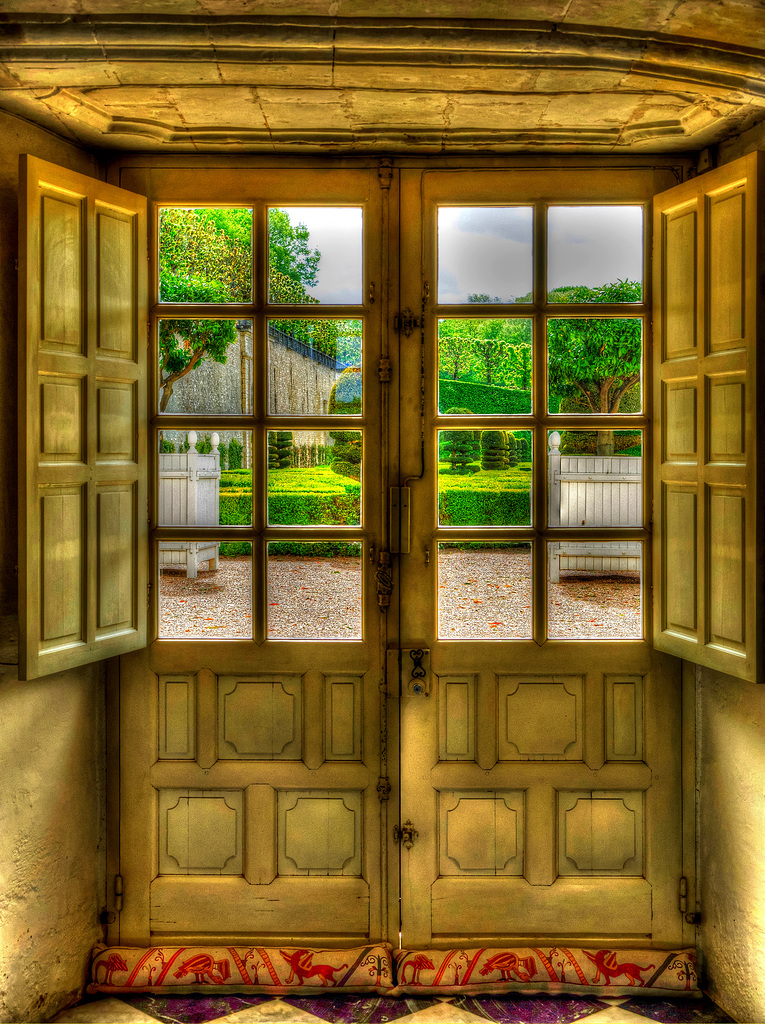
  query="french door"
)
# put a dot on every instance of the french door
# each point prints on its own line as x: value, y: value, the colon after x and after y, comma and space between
x: 401, y: 680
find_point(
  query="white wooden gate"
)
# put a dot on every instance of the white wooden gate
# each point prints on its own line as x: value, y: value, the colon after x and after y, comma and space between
x: 189, y: 495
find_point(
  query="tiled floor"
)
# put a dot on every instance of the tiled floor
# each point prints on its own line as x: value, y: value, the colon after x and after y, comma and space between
x: 510, y: 1009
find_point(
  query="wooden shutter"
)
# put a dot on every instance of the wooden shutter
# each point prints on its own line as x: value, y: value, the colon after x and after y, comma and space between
x: 82, y: 410
x: 708, y: 544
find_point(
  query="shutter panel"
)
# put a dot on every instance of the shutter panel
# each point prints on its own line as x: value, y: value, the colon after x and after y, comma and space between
x: 82, y: 419
x: 708, y: 539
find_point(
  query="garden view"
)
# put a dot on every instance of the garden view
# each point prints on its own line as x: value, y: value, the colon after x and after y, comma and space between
x: 314, y: 477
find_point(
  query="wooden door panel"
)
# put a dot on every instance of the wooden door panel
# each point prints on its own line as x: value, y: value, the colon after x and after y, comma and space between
x: 707, y: 553
x: 83, y: 419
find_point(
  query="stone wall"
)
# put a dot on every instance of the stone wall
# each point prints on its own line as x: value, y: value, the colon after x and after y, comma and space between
x: 52, y: 735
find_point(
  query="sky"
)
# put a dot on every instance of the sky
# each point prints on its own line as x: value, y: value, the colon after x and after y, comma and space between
x: 336, y: 232
x: 489, y: 249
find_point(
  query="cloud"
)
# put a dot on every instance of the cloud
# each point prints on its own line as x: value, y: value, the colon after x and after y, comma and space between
x: 511, y: 222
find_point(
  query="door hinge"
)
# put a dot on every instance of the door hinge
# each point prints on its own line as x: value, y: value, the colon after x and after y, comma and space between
x: 384, y: 368
x: 385, y: 172
x: 405, y: 322
x: 383, y: 788
x: 118, y: 893
x: 691, y: 916
x: 406, y: 834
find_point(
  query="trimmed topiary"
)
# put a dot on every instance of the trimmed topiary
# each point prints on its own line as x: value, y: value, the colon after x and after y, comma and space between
x: 345, y: 396
x: 460, y: 448
x: 512, y: 449
x: 345, y: 453
x: 234, y: 454
x: 280, y: 447
x: 494, y: 450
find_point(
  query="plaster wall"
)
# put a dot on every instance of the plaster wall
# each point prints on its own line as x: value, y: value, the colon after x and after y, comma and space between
x: 731, y: 780
x: 52, y: 860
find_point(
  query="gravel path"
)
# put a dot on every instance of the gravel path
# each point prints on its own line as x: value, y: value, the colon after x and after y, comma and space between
x: 483, y: 594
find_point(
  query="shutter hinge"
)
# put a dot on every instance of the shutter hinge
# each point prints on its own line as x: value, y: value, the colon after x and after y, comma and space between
x: 383, y: 368
x: 405, y: 322
x: 118, y: 893
x: 691, y: 917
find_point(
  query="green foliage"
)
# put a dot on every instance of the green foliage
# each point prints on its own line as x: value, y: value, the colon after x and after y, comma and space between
x: 345, y: 396
x: 482, y: 399
x: 238, y: 479
x: 494, y: 351
x: 166, y: 447
x: 280, y: 449
x: 204, y: 445
x: 290, y: 256
x: 234, y: 454
x: 345, y: 453
x: 486, y: 499
x: 460, y: 448
x: 512, y: 450
x: 495, y: 449
x: 223, y: 452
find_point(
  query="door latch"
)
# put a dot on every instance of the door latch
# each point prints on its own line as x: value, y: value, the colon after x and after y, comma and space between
x: 405, y: 322
x: 406, y: 834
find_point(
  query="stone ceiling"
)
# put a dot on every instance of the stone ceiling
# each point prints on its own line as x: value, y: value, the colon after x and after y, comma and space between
x: 379, y: 76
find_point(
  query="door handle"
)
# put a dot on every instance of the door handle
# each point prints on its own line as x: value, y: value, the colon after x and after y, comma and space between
x: 406, y: 834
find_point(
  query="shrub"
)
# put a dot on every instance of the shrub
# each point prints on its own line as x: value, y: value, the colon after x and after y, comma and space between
x: 460, y: 447
x: 223, y: 452
x: 345, y: 396
x: 280, y: 449
x: 234, y: 454
x: 166, y: 447
x: 346, y: 453
x: 512, y: 449
x: 495, y: 449
x: 490, y: 499
x: 483, y: 399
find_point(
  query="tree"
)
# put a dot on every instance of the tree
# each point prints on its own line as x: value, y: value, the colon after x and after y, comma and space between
x: 205, y: 255
x: 596, y: 358
x: 456, y: 347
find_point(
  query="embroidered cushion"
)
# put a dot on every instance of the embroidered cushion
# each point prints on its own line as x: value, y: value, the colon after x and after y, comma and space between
x: 275, y: 971
x: 548, y: 969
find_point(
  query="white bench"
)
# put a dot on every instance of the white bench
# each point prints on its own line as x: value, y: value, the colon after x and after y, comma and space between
x: 189, y: 495
x: 594, y: 490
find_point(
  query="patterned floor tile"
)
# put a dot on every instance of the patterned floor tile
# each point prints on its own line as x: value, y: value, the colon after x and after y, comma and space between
x: 103, y: 1011
x: 191, y: 1009
x: 359, y: 1009
x: 678, y: 1011
x: 275, y: 1012
x: 614, y: 1015
x: 519, y: 1009
x: 442, y: 1013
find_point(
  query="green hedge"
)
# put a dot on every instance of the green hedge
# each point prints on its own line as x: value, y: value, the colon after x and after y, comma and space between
x: 484, y: 508
x: 482, y: 398
x: 290, y: 509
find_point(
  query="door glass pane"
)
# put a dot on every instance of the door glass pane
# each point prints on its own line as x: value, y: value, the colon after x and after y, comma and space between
x: 315, y: 254
x: 205, y: 478
x: 594, y: 590
x: 484, y: 591
x: 205, y: 366
x: 314, y: 590
x: 594, y: 365
x: 484, y: 477
x: 314, y: 477
x: 205, y: 254
x: 314, y: 367
x: 484, y: 366
x: 595, y: 478
x: 595, y: 254
x: 485, y: 253
x: 205, y: 590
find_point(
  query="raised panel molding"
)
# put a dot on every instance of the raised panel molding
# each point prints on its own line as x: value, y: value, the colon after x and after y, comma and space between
x: 62, y: 259
x: 600, y: 833
x: 63, y: 565
x: 726, y: 510
x: 177, y: 718
x: 260, y: 719
x: 342, y: 718
x: 624, y: 718
x: 725, y: 421
x: 200, y: 832
x: 456, y: 718
x: 62, y: 425
x: 680, y: 282
x: 540, y: 718
x: 116, y: 563
x: 678, y: 590
x: 116, y: 420
x: 725, y: 256
x: 680, y: 414
x: 116, y: 292
x: 481, y: 833
x: 319, y: 832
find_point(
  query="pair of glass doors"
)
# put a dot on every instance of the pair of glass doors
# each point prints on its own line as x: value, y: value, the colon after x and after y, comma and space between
x: 400, y: 683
